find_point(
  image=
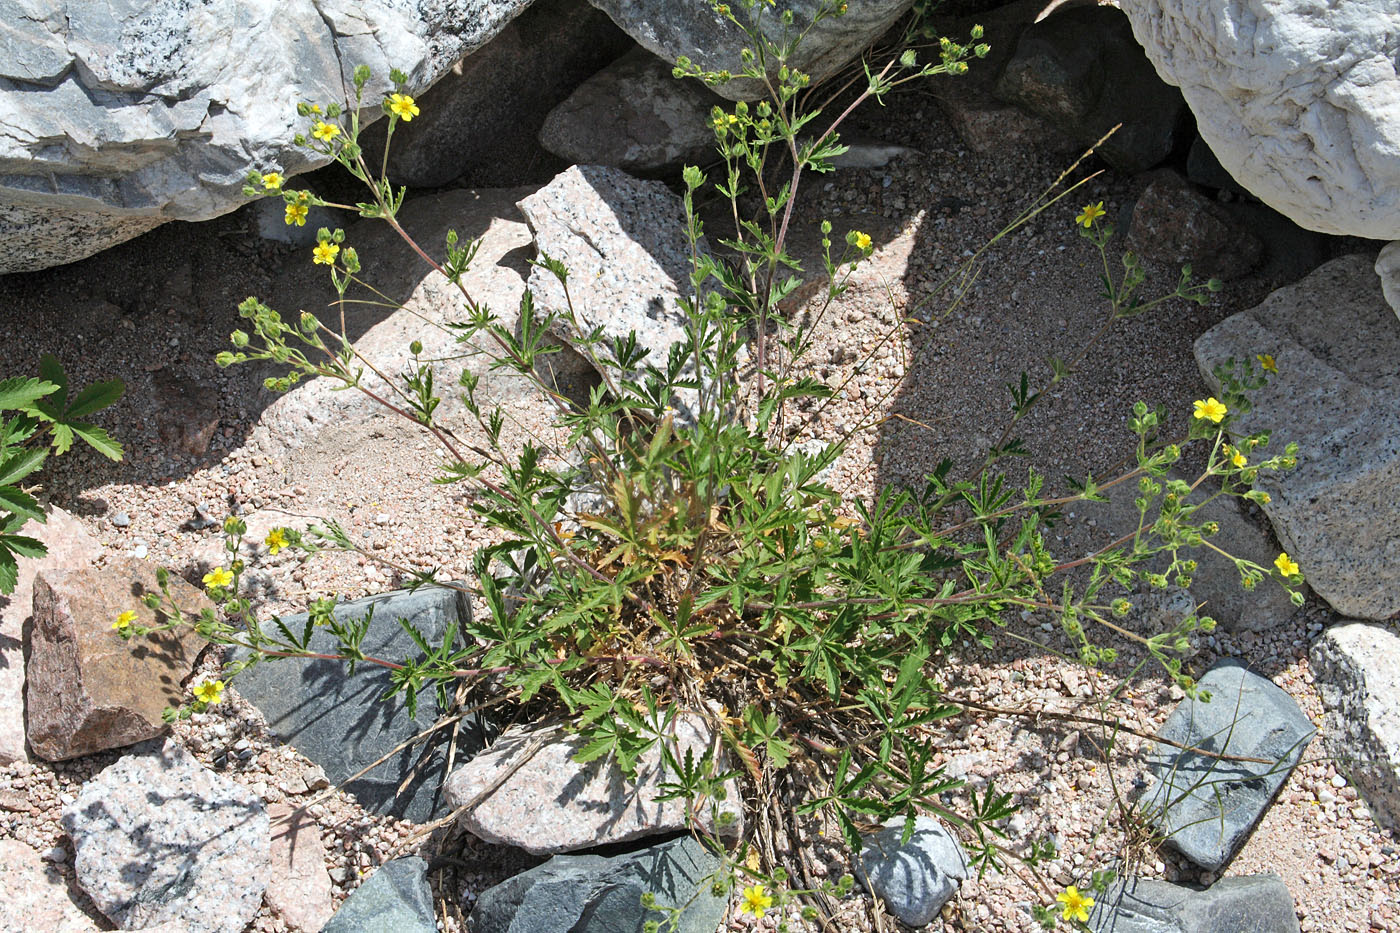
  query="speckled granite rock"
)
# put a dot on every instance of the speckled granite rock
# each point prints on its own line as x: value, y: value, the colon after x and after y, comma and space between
x: 299, y: 886
x: 34, y: 896
x: 917, y: 878
x: 395, y: 899
x: 86, y: 689
x: 1206, y: 806
x: 160, y: 838
x: 553, y: 804
x: 1337, y: 394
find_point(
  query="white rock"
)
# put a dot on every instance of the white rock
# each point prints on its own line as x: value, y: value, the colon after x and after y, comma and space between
x: 1357, y: 667
x: 160, y: 838
x: 1299, y: 100
x: 1388, y: 268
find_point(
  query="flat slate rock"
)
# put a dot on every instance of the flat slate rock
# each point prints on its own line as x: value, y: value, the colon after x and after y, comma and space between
x: 395, y: 899
x: 600, y: 894
x: 1245, y: 904
x: 339, y: 721
x: 1207, y: 806
x: 918, y: 877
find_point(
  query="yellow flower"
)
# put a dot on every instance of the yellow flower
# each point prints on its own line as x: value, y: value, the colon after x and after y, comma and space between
x: 324, y: 131
x: 1091, y: 213
x: 756, y: 901
x: 296, y: 214
x: 1286, y: 566
x: 862, y: 240
x: 1236, y: 457
x: 1211, y: 409
x: 211, y: 691
x: 275, y: 541
x: 403, y: 107
x: 217, y: 577
x: 124, y: 620
x: 324, y: 254
x: 272, y: 181
x: 1076, y: 905
x: 1265, y: 498
x: 1266, y: 362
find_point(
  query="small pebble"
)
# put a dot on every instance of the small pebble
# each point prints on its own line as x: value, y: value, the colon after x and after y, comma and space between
x: 121, y: 519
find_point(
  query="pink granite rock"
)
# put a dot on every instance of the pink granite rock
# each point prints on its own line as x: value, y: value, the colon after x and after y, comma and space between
x: 298, y: 885
x: 34, y: 896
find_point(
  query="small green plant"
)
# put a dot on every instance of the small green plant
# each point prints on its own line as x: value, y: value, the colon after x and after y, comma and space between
x: 721, y: 575
x: 38, y: 417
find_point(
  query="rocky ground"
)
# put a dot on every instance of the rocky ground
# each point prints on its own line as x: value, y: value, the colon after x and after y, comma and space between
x: 155, y: 311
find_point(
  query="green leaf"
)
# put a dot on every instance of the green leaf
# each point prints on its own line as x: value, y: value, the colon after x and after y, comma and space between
x: 13, y: 499
x: 98, y: 439
x: 95, y: 398
x: 51, y: 370
x: 21, y: 465
x: 9, y: 571
x: 62, y: 438
x: 23, y: 545
x: 21, y: 393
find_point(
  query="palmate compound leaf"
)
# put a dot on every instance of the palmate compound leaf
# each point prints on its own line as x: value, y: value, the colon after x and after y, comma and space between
x: 20, y: 393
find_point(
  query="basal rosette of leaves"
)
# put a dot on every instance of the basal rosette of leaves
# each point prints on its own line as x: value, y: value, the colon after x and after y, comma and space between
x: 721, y: 575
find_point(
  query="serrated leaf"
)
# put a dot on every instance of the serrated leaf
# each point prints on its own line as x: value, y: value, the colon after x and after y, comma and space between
x: 62, y: 438
x: 21, y: 465
x: 9, y: 571
x: 594, y: 749
x: 15, y: 500
x: 21, y: 393
x: 98, y: 439
x: 23, y: 545
x: 51, y: 370
x: 95, y: 398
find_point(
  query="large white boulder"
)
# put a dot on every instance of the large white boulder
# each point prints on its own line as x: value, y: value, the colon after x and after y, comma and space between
x: 122, y: 115
x: 1299, y: 100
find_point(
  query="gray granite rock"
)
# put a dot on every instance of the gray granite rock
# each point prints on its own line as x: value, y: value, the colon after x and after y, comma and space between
x: 600, y: 894
x: 159, y: 838
x: 634, y: 115
x: 550, y: 803
x: 1082, y: 70
x: 1244, y: 904
x: 395, y: 899
x: 121, y: 116
x: 1204, y: 805
x: 1357, y: 670
x: 339, y: 721
x: 623, y: 242
x: 670, y: 30
x: 1388, y: 268
x: 917, y: 878
x: 1337, y: 394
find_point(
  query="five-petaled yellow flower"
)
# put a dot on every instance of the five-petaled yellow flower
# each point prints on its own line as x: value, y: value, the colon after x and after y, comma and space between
x: 211, y: 691
x: 1286, y: 566
x: 1091, y: 213
x: 272, y: 181
x: 1076, y: 905
x: 324, y: 254
x: 124, y: 620
x: 276, y: 540
x: 217, y: 577
x: 1236, y: 457
x: 403, y: 107
x: 324, y: 131
x: 1266, y: 362
x: 862, y: 240
x: 756, y: 901
x: 1211, y: 409
x: 296, y: 213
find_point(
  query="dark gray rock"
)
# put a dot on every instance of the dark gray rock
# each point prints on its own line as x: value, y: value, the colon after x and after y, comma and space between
x: 339, y: 721
x: 671, y: 29
x: 1206, y: 806
x: 917, y: 878
x: 598, y: 894
x: 395, y: 899
x: 1204, y: 168
x: 1176, y: 224
x: 634, y: 115
x: 1245, y: 904
x: 479, y: 122
x: 1082, y: 70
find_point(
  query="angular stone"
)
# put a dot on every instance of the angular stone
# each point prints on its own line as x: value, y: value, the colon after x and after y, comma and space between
x: 298, y: 886
x: 598, y: 894
x: 395, y: 899
x: 671, y: 29
x: 916, y: 878
x: 1388, y: 268
x: 159, y: 838
x: 1357, y: 670
x: 121, y: 116
x: 34, y: 896
x: 1081, y: 69
x: 1337, y: 394
x: 1176, y: 224
x: 550, y: 803
x: 623, y: 242
x: 339, y: 721
x: 1205, y: 805
x: 70, y: 547
x: 1244, y: 904
x: 88, y: 689
x: 633, y: 115
x: 187, y: 411
x: 1299, y: 100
